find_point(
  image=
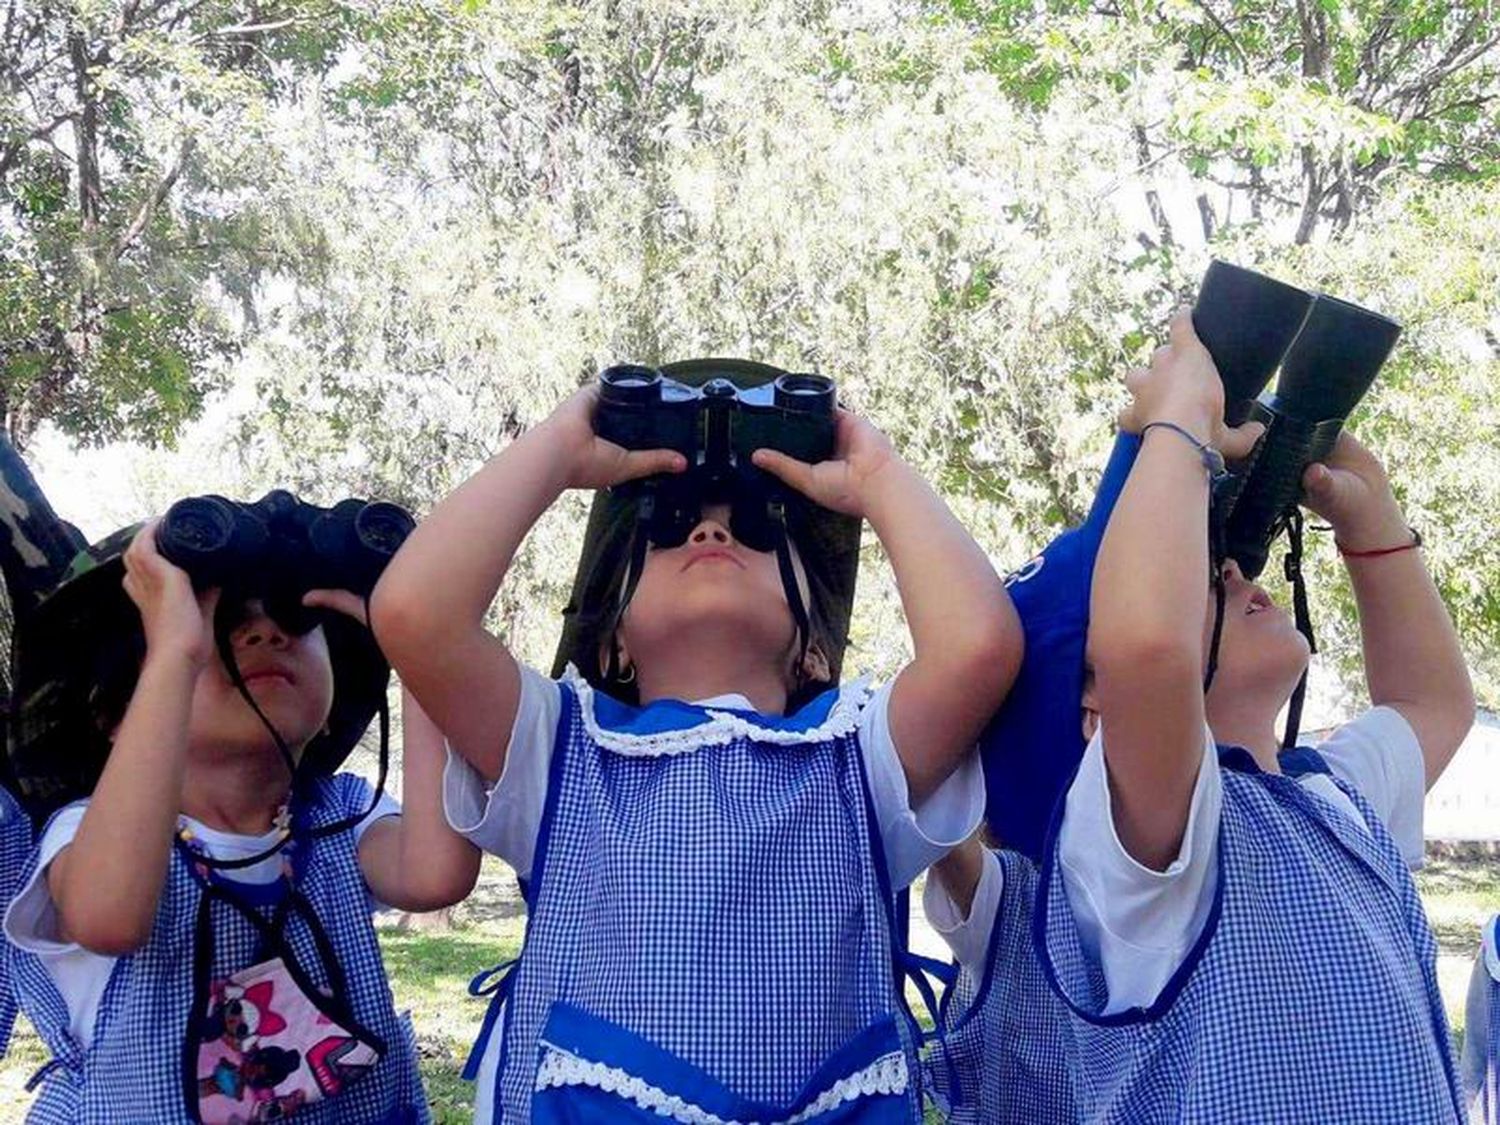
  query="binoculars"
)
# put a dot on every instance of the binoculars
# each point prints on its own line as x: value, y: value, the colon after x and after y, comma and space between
x: 278, y: 548
x: 1329, y: 352
x: 718, y: 425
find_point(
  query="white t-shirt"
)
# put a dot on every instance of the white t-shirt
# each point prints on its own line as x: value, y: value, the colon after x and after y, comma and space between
x: 81, y: 976
x: 507, y: 818
x: 1140, y: 923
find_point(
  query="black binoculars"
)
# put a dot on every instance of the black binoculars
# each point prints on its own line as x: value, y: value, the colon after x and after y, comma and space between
x: 1329, y: 352
x: 278, y: 548
x: 718, y: 425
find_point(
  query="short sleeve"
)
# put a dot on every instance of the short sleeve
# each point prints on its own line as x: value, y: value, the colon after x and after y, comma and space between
x: 1377, y: 753
x: 1137, y: 923
x: 968, y: 936
x: 506, y: 818
x: 914, y: 839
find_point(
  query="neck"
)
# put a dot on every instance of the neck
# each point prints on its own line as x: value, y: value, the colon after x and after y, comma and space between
x: 234, y: 791
x: 691, y: 675
x: 1247, y: 723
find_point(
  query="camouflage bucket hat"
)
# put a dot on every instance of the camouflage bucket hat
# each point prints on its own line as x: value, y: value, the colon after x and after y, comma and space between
x: 74, y: 664
x: 827, y: 542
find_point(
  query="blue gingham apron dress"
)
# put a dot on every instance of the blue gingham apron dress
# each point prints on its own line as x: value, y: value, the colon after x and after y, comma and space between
x: 133, y: 1071
x: 710, y: 926
x: 1310, y: 997
x: 15, y: 850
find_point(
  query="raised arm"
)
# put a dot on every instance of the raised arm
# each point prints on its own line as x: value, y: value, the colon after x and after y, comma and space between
x: 107, y: 882
x: 428, y: 610
x: 415, y: 861
x: 1149, y: 597
x: 1412, y: 659
x: 966, y: 638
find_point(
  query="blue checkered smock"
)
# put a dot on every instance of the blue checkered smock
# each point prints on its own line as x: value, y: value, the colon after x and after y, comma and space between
x: 15, y: 850
x: 709, y: 934
x: 1005, y: 1039
x: 1311, y: 995
x: 132, y: 1074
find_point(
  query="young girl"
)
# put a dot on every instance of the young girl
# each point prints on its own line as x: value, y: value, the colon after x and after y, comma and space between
x: 709, y: 877
x: 170, y: 987
x: 1236, y: 930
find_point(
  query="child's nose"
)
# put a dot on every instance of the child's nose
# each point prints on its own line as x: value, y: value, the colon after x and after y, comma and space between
x: 259, y: 629
x: 710, y: 531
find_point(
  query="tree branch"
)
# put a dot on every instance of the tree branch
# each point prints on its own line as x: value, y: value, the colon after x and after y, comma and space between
x: 1224, y: 30
x: 13, y: 150
x: 154, y: 200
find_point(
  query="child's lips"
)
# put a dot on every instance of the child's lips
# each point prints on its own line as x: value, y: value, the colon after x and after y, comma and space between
x: 263, y: 675
x: 701, y: 556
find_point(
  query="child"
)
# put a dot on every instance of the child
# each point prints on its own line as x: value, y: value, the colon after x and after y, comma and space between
x: 190, y: 942
x: 1236, y: 931
x: 710, y: 924
x: 1481, y: 1058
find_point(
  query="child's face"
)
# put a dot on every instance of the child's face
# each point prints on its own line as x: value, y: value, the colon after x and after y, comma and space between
x: 289, y: 677
x: 1261, y: 649
x: 711, y: 590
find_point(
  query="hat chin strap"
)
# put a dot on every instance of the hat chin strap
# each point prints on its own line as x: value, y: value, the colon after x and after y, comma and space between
x: 777, y: 511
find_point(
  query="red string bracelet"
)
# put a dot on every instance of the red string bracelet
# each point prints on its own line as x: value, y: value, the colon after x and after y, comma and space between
x: 1416, y: 541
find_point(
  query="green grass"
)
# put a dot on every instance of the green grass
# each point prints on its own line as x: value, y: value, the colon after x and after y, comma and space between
x: 430, y: 974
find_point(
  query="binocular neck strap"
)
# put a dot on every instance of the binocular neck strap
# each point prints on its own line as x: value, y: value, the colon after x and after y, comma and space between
x: 1292, y: 568
x: 777, y: 511
x: 640, y: 540
x: 1217, y: 553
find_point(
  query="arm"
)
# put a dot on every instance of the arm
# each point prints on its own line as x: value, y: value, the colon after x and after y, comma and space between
x: 1149, y: 595
x: 966, y: 637
x: 107, y: 882
x: 1412, y: 658
x: 415, y: 861
x: 428, y: 609
x: 959, y: 872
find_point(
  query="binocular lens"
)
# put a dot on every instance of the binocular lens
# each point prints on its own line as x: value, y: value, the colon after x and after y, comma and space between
x: 805, y: 391
x: 198, y: 525
x: 383, y: 527
x: 1246, y: 321
x: 630, y: 383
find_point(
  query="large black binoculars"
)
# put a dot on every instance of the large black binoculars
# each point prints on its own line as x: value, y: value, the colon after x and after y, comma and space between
x: 279, y: 548
x: 1329, y: 352
x: 718, y: 425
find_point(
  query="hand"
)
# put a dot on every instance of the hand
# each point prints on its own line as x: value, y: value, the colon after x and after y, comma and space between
x: 593, y: 462
x: 1182, y: 386
x: 841, y: 483
x: 346, y: 602
x: 1350, y: 490
x: 174, y: 617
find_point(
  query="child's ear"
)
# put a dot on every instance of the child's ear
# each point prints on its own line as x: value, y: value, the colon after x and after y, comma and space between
x: 815, y: 668
x: 613, y: 643
x: 1090, y: 711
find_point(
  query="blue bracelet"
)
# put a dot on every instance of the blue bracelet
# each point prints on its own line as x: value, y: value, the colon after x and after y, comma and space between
x: 1212, y: 459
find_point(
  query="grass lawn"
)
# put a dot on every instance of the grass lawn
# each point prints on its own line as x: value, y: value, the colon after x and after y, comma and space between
x: 431, y: 972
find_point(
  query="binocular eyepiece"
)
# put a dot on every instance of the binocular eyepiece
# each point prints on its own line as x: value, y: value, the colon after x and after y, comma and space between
x: 279, y: 548
x: 1329, y: 352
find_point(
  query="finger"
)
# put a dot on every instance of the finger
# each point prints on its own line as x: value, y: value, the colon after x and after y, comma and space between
x: 208, y: 601
x: 1182, y: 332
x: 1237, y: 443
x: 1159, y: 356
x: 639, y: 463
x: 1318, y: 482
x: 788, y: 470
x: 1135, y: 380
x: 346, y: 602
